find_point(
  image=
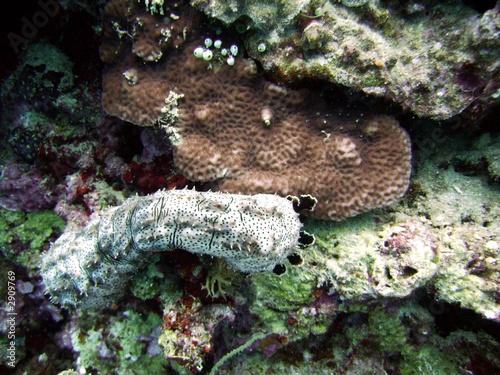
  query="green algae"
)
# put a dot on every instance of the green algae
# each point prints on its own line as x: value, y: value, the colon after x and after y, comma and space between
x: 30, y: 232
x: 282, y: 303
x: 150, y: 284
x: 427, y: 359
x: 123, y: 339
x: 404, y: 333
x: 384, y: 330
x: 284, y: 292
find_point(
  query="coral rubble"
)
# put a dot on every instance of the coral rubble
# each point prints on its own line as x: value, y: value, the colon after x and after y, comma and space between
x: 134, y: 334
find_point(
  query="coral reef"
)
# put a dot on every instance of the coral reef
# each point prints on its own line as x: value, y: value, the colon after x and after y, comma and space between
x: 188, y: 331
x: 440, y: 239
x: 435, y: 59
x: 90, y: 267
x: 40, y: 97
x: 228, y: 123
x: 347, y: 300
x: 45, y: 119
x: 462, y: 214
x: 73, y: 158
x: 371, y: 339
x: 407, y: 289
x: 24, y: 235
x: 485, y: 154
x: 365, y: 260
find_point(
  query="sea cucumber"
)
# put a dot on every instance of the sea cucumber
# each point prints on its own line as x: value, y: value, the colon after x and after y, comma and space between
x: 253, y: 233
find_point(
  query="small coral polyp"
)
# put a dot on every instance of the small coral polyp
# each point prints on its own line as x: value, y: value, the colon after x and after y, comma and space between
x: 89, y: 268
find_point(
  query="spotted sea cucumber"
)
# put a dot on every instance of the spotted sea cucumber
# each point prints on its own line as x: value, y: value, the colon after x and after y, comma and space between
x: 89, y: 268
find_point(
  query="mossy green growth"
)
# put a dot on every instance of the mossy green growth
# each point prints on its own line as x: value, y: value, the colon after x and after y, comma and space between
x: 277, y: 299
x: 386, y: 331
x: 284, y: 292
x: 118, y: 346
x: 401, y: 334
x: 147, y: 284
x: 151, y: 284
x: 441, y: 356
x: 33, y: 230
x: 108, y: 197
x: 427, y: 359
x: 275, y: 295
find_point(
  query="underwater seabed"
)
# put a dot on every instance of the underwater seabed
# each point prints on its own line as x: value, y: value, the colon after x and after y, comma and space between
x: 410, y: 289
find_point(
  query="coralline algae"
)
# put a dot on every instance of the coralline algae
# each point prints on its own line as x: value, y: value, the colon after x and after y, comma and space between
x: 252, y: 233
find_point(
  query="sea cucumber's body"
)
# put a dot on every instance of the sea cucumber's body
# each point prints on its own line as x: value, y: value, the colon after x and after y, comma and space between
x: 252, y: 233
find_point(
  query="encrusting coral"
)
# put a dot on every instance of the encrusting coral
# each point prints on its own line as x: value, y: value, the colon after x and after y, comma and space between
x: 229, y: 125
x: 252, y: 233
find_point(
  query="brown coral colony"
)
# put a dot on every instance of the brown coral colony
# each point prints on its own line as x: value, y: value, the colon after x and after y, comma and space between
x: 230, y: 125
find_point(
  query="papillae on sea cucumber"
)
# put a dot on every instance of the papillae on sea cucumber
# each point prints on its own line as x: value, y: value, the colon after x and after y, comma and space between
x: 91, y: 267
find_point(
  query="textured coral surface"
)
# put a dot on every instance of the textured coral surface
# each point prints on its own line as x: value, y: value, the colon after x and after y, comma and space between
x: 229, y: 125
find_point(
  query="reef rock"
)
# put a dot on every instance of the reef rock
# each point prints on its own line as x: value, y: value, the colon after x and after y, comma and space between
x: 434, y: 58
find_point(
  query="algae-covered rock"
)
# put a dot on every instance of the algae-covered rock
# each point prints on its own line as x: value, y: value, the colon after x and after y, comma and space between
x: 41, y: 98
x: 125, y: 344
x: 23, y: 236
x: 291, y: 305
x: 364, y: 258
x: 188, y: 330
x: 434, y: 58
x: 463, y: 213
x: 484, y: 153
x: 371, y: 339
